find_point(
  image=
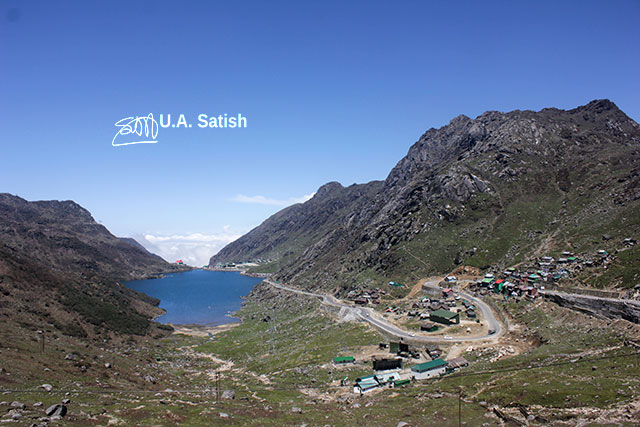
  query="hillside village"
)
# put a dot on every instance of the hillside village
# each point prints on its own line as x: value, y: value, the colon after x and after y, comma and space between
x: 438, y: 310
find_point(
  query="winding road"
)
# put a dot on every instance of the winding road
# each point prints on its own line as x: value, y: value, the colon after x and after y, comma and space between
x: 370, y: 316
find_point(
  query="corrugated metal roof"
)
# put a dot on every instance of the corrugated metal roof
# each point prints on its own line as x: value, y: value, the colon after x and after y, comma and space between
x: 423, y: 367
x: 444, y: 313
x: 383, y: 378
x: 367, y: 384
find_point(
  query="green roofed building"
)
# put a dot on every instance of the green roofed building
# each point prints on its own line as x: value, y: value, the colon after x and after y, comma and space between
x: 445, y: 317
x: 344, y: 359
x: 368, y: 378
x: 429, y: 369
x: 400, y: 383
x: 365, y: 384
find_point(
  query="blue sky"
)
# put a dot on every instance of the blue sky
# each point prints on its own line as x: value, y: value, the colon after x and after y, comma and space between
x: 332, y: 91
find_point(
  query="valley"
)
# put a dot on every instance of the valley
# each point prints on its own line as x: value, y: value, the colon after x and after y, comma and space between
x: 491, y: 279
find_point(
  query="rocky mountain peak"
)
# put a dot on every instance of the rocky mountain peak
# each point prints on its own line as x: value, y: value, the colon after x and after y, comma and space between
x: 328, y: 189
x: 599, y: 106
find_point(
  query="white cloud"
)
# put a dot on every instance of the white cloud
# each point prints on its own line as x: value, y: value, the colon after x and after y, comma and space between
x: 262, y: 200
x: 192, y: 248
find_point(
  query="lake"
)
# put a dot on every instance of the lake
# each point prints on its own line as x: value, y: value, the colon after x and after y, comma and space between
x: 199, y: 297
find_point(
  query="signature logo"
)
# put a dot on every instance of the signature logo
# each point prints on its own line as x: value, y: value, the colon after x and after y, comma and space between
x: 144, y: 125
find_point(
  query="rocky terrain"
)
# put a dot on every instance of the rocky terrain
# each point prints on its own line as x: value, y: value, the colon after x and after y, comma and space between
x: 600, y: 307
x: 496, y: 189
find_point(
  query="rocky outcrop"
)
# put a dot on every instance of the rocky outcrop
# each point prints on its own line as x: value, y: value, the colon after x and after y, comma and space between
x: 599, y: 307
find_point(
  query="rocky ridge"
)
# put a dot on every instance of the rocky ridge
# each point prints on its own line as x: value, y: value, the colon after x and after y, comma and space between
x: 493, y: 189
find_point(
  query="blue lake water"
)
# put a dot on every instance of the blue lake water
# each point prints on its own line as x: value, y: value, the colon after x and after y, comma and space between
x: 199, y: 296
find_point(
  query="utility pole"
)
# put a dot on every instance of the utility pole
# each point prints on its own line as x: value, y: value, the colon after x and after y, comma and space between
x: 41, y: 333
x: 460, y: 406
x: 217, y: 386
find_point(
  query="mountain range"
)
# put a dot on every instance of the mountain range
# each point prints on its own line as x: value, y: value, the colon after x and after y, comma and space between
x: 483, y: 192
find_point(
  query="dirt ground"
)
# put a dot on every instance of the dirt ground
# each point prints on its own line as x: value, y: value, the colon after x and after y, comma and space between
x: 202, y: 331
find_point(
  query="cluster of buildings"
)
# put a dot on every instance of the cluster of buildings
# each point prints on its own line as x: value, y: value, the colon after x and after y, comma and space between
x: 389, y: 371
x: 370, y: 296
x: 525, y: 281
x: 364, y: 297
x: 445, y: 310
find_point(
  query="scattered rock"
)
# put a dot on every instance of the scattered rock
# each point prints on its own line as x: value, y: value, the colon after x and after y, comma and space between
x: 16, y: 404
x: 47, y: 387
x: 458, y: 259
x: 355, y: 405
x: 107, y: 365
x: 56, y: 410
x: 37, y: 404
x: 228, y: 394
x: 224, y: 415
x: 66, y: 401
x: 296, y: 410
x: 149, y: 379
x: 16, y: 416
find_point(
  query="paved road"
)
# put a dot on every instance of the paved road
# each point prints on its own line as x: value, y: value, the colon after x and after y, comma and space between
x: 370, y: 316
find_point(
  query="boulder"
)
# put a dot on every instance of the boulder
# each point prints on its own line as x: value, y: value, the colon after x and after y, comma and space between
x: 58, y: 409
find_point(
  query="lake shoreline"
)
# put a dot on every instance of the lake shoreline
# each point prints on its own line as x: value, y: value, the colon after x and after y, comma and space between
x: 198, y: 298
